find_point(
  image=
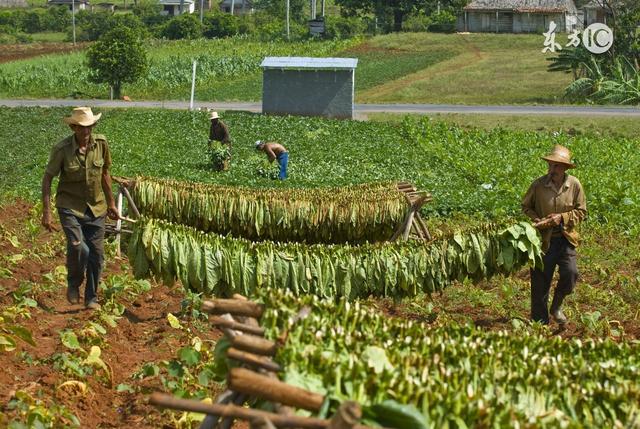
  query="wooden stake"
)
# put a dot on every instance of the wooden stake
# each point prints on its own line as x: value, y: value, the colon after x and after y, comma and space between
x: 241, y: 413
x: 132, y: 205
x: 347, y: 416
x: 237, y: 326
x: 253, y: 344
x: 234, y: 307
x: 262, y: 386
x: 254, y: 360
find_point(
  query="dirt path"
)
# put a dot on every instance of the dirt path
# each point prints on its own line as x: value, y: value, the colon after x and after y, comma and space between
x: 140, y: 336
x: 23, y: 51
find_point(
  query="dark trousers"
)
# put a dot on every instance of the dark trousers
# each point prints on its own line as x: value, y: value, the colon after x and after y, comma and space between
x: 85, y: 250
x: 563, y: 255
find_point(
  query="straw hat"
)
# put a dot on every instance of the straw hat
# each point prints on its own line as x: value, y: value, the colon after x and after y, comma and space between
x: 560, y: 154
x: 82, y: 116
x: 214, y: 115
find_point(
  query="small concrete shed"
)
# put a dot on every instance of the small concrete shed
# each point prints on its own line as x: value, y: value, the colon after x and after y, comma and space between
x: 309, y: 86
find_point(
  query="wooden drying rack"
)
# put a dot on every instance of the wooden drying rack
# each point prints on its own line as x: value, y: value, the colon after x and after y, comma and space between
x: 413, y: 222
x: 256, y: 377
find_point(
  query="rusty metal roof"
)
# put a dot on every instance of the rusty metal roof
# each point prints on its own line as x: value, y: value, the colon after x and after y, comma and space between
x: 524, y: 6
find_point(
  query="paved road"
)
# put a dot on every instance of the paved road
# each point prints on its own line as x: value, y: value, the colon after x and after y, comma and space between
x: 360, y: 109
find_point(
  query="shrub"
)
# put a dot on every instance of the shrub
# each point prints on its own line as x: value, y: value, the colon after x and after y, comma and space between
x: 118, y: 57
x: 443, y: 22
x: 184, y: 26
x: 337, y: 27
x: 417, y: 22
x: 92, y: 26
x: 220, y: 25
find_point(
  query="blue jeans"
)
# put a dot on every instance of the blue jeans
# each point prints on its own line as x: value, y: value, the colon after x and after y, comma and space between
x: 85, y: 250
x: 283, y: 160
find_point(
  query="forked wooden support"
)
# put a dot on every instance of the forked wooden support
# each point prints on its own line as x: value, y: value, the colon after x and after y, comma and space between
x: 412, y: 219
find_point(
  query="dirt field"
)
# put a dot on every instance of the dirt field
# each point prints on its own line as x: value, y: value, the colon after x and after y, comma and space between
x: 23, y: 51
x: 142, y: 335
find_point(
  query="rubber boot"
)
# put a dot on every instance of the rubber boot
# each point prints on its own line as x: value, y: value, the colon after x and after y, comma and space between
x: 556, y: 310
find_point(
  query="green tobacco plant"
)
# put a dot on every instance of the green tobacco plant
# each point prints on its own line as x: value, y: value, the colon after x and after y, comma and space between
x: 222, y: 265
x: 452, y: 376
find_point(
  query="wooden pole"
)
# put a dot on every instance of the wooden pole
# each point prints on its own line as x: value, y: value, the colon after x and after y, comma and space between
x: 236, y: 326
x: 167, y: 401
x: 132, y: 205
x: 253, y: 344
x: 211, y: 421
x: 262, y: 423
x: 347, y: 416
x: 253, y: 359
x: 234, y: 307
x: 119, y: 223
x: 261, y: 386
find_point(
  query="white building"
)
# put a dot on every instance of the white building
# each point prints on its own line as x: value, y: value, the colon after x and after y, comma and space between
x: 172, y: 7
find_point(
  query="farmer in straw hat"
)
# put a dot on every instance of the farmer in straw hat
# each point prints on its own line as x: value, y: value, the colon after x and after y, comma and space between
x: 218, y: 130
x: 84, y: 197
x: 557, y: 204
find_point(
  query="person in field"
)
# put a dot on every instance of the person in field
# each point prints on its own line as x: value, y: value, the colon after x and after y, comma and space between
x: 556, y: 203
x: 275, y: 151
x: 83, y: 199
x: 218, y: 130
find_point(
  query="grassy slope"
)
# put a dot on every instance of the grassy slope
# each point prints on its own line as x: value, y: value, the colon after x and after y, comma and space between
x: 485, y: 69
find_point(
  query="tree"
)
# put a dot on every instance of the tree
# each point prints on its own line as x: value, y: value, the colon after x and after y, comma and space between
x: 396, y: 11
x: 277, y: 8
x: 184, y: 26
x: 387, y: 10
x: 118, y: 57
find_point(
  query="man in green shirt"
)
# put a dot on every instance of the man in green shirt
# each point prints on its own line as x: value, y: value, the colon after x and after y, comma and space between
x: 557, y: 204
x: 83, y: 199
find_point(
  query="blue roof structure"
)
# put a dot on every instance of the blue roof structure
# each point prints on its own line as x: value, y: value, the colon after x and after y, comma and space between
x: 309, y: 63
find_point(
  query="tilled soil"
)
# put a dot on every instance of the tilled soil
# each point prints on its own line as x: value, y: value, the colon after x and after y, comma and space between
x: 142, y: 335
x: 23, y: 51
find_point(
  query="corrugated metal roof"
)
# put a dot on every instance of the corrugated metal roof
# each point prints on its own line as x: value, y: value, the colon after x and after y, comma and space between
x: 524, y: 5
x: 309, y: 63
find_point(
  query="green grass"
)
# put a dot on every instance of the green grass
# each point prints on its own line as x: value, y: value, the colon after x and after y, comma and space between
x: 57, y: 37
x: 483, y: 69
x: 595, y: 126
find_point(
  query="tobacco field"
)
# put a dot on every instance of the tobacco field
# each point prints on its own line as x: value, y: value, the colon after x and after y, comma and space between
x: 431, y: 334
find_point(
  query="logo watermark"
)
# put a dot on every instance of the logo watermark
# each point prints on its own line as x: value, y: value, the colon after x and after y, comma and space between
x: 596, y: 38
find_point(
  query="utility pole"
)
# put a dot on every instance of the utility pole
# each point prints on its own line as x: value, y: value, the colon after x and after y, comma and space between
x: 201, y: 10
x: 323, y: 8
x: 287, y: 25
x: 232, y: 6
x: 73, y: 19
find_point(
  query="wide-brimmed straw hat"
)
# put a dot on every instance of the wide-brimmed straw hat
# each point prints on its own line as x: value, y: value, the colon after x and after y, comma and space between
x: 82, y: 116
x: 561, y: 155
x: 214, y: 115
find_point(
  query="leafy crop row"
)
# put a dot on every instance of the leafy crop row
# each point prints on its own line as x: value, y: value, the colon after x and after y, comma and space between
x: 223, y: 265
x: 170, y: 68
x: 456, y: 376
